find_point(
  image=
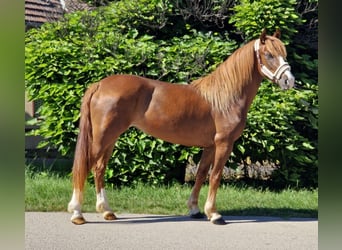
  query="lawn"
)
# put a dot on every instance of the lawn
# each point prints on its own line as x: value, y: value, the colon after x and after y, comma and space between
x: 50, y: 192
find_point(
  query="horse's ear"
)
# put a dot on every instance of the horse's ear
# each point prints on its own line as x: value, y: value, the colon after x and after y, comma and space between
x: 263, y: 36
x: 277, y: 33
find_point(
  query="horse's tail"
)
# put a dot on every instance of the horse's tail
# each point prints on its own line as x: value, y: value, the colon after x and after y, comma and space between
x: 82, y: 159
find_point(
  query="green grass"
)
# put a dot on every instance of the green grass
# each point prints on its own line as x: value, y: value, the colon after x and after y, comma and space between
x: 48, y: 192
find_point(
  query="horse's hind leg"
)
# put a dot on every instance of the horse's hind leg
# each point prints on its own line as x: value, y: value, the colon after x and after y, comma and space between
x: 107, y: 128
x: 74, y: 207
x: 202, y: 172
x: 99, y: 162
x: 102, y: 205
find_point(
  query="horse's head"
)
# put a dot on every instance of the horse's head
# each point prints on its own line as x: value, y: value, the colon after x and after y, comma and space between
x: 271, y: 56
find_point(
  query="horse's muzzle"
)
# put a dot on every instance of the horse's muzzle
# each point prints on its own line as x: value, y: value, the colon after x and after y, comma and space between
x: 286, y: 81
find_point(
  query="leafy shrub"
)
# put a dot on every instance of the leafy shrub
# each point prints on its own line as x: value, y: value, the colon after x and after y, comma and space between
x: 141, y: 158
x: 252, y: 16
x: 282, y: 128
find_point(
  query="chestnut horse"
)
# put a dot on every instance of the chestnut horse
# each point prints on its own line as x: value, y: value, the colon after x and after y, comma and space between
x: 209, y: 113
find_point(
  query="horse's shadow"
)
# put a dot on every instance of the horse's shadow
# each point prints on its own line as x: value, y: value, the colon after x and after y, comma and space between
x: 147, y: 219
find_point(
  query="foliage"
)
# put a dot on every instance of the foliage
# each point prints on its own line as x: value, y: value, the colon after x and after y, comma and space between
x: 148, y: 38
x: 97, y: 2
x: 140, y: 158
x: 252, y: 16
x: 282, y: 128
x: 205, y: 14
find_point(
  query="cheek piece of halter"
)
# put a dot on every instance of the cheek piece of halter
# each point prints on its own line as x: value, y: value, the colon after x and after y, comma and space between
x: 275, y: 77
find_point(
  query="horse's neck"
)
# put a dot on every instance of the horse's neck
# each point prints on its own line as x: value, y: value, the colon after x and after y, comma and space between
x: 234, y: 83
x: 248, y: 94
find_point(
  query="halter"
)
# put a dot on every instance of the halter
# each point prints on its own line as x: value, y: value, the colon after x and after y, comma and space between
x: 275, y: 77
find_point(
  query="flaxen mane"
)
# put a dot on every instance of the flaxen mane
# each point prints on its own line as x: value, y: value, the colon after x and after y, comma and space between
x: 223, y: 87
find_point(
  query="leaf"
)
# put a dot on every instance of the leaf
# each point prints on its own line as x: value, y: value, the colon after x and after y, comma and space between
x: 291, y: 147
x: 241, y: 148
x: 307, y: 145
x: 270, y: 148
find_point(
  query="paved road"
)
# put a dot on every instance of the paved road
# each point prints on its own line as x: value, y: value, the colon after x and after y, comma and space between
x: 137, y: 231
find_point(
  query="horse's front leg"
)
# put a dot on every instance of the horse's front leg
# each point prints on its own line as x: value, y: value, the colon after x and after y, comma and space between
x: 202, y: 172
x: 222, y: 153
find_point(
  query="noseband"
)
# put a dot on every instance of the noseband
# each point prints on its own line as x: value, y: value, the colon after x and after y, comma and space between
x: 275, y: 77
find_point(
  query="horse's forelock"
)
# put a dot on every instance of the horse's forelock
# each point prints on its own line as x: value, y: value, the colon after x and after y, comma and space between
x: 275, y: 47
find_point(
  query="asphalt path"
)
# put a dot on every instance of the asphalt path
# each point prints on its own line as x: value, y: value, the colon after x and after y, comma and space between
x: 139, y: 231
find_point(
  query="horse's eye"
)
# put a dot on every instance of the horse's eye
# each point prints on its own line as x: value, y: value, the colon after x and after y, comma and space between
x: 268, y: 55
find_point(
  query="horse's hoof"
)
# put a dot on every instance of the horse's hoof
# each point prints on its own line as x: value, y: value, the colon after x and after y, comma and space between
x: 109, y: 216
x: 219, y: 221
x: 78, y: 220
x: 198, y: 215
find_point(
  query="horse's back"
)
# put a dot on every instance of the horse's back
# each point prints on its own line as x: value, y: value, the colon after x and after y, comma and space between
x: 124, y: 84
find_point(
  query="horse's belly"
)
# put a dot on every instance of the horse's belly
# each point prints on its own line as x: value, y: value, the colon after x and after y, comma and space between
x: 193, y: 139
x: 184, y: 134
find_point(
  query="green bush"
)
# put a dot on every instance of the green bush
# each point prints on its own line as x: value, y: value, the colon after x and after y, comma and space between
x: 250, y: 17
x: 282, y: 128
x: 141, y: 158
x: 63, y: 58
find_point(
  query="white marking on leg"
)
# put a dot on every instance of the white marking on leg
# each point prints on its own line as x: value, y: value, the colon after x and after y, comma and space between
x: 211, y: 212
x: 207, y: 208
x: 74, y: 206
x: 215, y: 216
x: 102, y: 202
x: 76, y: 215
